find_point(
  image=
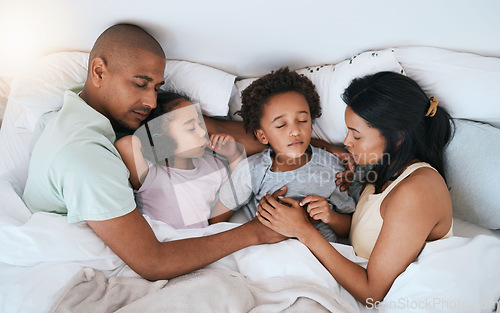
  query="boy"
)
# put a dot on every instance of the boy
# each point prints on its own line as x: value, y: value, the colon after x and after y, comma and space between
x: 278, y: 109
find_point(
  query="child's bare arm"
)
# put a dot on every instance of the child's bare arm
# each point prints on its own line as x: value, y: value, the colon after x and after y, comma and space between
x: 129, y: 148
x: 220, y: 213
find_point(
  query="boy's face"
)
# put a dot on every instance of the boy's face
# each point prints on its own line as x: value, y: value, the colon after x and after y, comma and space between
x: 286, y: 125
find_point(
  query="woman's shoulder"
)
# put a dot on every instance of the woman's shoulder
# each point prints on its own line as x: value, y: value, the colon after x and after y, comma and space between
x: 423, y: 190
x: 425, y: 177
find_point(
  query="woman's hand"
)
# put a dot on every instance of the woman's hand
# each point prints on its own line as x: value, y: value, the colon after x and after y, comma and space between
x: 288, y: 219
x: 318, y: 208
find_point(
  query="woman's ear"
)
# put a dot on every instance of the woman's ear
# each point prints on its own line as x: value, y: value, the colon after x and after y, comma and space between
x: 97, y: 69
x: 261, y: 136
x: 401, y: 139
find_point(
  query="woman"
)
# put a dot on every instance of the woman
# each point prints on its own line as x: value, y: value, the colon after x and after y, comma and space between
x: 392, y: 124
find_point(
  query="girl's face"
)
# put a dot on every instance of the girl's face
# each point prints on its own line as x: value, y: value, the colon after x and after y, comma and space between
x: 188, y: 131
x: 286, y: 125
x: 365, y: 143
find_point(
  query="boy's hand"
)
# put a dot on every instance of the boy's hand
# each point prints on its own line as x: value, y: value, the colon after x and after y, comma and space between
x: 318, y: 208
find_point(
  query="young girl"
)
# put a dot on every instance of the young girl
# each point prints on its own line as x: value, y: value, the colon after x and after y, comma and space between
x: 183, y: 183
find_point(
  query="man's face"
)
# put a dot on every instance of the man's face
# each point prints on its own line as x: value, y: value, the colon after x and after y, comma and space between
x: 129, y: 90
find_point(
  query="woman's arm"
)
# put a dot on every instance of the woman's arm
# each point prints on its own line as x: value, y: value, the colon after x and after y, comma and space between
x: 130, y: 150
x: 411, y: 213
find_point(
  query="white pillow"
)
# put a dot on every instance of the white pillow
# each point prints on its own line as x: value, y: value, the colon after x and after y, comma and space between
x: 40, y: 89
x: 210, y: 87
x: 472, y: 172
x: 331, y: 81
x: 466, y: 84
x: 4, y: 94
x: 15, y: 139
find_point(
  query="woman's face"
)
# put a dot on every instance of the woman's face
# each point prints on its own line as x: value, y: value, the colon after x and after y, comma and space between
x: 365, y: 143
x: 188, y: 131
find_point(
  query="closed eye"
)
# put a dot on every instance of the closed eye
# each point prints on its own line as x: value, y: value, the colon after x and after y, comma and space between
x: 281, y: 126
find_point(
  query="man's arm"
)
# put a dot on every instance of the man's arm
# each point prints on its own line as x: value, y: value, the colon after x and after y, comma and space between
x: 131, y: 238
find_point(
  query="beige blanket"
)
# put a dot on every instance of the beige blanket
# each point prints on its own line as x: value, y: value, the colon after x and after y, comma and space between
x: 205, y: 290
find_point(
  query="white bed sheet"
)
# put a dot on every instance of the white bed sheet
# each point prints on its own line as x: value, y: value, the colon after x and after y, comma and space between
x: 38, y: 257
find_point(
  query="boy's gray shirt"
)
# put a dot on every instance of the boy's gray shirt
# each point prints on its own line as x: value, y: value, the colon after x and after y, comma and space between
x: 252, y: 179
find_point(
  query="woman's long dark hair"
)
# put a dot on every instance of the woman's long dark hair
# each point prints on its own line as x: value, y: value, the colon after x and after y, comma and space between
x: 396, y: 106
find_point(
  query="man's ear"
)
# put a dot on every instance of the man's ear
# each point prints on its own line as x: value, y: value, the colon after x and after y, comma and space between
x: 97, y: 69
x: 261, y: 136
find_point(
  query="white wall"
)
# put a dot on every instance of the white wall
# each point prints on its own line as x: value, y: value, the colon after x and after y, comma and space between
x: 249, y: 38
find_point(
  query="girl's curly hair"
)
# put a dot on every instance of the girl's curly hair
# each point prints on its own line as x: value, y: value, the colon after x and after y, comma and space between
x: 258, y: 93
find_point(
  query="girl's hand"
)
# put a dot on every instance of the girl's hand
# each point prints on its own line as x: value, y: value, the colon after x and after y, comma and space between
x: 225, y: 145
x: 318, y: 208
x: 288, y: 219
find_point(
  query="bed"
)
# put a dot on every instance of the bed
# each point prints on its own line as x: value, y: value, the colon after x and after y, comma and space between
x: 215, y: 49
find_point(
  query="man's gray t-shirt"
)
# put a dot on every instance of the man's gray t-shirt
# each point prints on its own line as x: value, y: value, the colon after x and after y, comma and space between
x: 252, y: 179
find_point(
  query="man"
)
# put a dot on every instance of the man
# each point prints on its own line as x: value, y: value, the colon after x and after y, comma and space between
x: 75, y: 169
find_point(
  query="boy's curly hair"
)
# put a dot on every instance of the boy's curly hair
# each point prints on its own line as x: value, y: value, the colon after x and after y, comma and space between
x: 257, y: 94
